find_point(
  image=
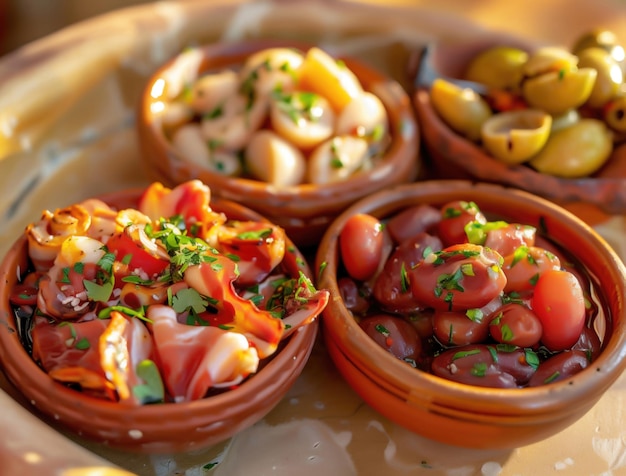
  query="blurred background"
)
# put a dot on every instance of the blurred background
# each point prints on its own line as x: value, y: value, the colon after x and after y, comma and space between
x: 22, y: 21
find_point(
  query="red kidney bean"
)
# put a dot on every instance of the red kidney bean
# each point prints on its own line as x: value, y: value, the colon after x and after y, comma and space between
x: 391, y: 289
x: 454, y: 328
x: 505, y: 240
x: 486, y: 365
x: 515, y: 324
x: 454, y: 216
x: 395, y: 335
x: 413, y: 221
x: 464, y: 276
x: 352, y: 295
x: 560, y: 366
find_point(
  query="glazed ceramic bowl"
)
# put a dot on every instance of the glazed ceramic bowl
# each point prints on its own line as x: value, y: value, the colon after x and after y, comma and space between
x: 462, y: 414
x: 452, y: 156
x: 304, y: 211
x: 156, y: 428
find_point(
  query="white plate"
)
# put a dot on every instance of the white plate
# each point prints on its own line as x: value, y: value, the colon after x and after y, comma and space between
x: 66, y: 132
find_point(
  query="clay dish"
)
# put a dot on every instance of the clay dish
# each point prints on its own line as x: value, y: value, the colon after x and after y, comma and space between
x: 462, y: 414
x: 452, y: 156
x: 304, y: 211
x: 155, y: 428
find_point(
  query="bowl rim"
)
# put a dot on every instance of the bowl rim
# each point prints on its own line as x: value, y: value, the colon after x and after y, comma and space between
x: 300, y: 201
x: 410, y: 384
x: 35, y: 385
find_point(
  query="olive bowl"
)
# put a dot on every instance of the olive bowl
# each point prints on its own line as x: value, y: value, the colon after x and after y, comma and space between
x: 162, y: 427
x: 304, y: 210
x: 452, y: 156
x: 461, y: 414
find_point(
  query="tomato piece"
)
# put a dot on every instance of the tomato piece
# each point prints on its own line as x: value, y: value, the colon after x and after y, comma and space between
x: 459, y: 277
x: 454, y: 216
x: 559, y: 303
x: 515, y: 324
x: 395, y: 335
x: 140, y: 252
x: 361, y: 243
x: 524, y: 266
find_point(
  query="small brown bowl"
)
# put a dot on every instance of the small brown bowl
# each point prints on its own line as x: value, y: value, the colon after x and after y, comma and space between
x: 304, y: 211
x: 156, y: 428
x: 452, y: 156
x: 461, y: 414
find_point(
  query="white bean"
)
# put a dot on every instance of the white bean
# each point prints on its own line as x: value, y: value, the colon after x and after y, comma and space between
x: 236, y: 122
x: 190, y: 143
x: 176, y: 113
x: 271, y: 158
x: 303, y: 118
x: 271, y: 69
x: 209, y: 91
x: 337, y: 159
x: 364, y: 116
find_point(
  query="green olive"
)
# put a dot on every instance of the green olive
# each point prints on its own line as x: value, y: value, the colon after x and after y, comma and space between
x: 515, y: 136
x: 576, y: 151
x: 610, y: 75
x: 570, y: 118
x: 498, y: 67
x: 462, y: 109
x: 547, y: 59
x: 556, y: 92
x: 615, y: 114
x: 605, y: 39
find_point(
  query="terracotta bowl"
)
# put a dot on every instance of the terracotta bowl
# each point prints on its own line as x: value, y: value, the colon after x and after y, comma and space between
x: 461, y: 414
x: 157, y: 428
x: 452, y: 156
x: 304, y: 211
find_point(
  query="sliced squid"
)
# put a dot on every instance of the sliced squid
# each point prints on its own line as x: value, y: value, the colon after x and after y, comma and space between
x: 337, y: 159
x: 103, y: 219
x: 303, y: 118
x: 46, y: 236
x: 270, y: 158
